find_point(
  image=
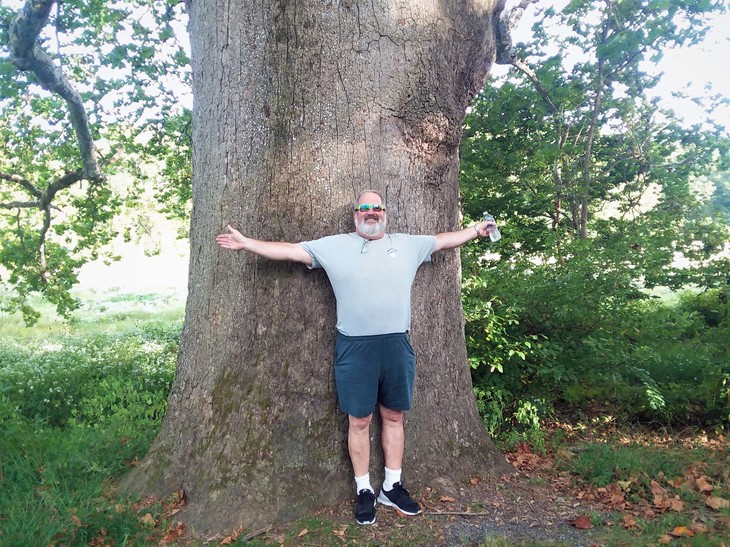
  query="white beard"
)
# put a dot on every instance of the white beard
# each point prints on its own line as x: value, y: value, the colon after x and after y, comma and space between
x: 371, y: 229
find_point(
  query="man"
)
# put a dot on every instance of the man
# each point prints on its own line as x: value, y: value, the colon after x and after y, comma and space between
x: 374, y: 363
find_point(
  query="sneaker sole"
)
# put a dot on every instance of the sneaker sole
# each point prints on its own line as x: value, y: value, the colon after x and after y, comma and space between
x: 385, y: 501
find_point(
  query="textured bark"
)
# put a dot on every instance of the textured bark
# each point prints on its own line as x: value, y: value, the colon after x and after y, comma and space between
x: 298, y: 107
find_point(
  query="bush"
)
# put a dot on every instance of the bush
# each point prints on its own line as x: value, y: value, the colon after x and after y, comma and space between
x: 89, y: 378
x: 578, y: 333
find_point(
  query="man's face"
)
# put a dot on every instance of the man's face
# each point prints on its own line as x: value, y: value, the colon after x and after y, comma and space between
x: 370, y: 223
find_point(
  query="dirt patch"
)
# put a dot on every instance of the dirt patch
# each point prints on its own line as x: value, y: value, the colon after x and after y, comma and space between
x: 523, y: 508
x: 518, y: 508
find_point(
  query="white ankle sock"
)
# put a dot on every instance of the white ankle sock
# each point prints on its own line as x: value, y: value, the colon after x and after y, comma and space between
x: 391, y: 477
x: 363, y: 483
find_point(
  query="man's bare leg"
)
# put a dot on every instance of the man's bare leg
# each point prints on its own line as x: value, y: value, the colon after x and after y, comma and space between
x: 393, y: 437
x: 358, y: 443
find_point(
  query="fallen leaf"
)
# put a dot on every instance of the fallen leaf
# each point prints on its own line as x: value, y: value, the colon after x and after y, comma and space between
x: 664, y: 503
x: 713, y: 502
x: 475, y: 480
x: 664, y: 540
x: 582, y: 522
x: 703, y: 485
x: 676, y: 504
x: 233, y: 537
x: 630, y: 522
x: 174, y: 532
x: 682, y: 531
x: 147, y: 520
x: 656, y: 489
x: 699, y: 528
x: 446, y: 499
x: 303, y: 533
x: 341, y: 532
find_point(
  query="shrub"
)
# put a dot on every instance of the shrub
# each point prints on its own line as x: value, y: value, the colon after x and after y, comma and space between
x: 88, y: 377
x: 574, y: 333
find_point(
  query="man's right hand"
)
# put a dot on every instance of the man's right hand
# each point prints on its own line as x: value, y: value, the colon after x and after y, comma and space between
x: 232, y: 240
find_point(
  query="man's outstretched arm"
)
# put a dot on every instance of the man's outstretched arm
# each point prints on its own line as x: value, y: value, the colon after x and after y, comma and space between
x: 273, y: 250
x: 451, y: 240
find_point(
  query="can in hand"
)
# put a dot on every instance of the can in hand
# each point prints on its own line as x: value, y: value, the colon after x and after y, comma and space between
x: 493, y: 231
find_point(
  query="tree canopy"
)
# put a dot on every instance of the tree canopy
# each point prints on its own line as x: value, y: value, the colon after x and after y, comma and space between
x: 89, y: 89
x: 571, y: 145
x: 602, y: 192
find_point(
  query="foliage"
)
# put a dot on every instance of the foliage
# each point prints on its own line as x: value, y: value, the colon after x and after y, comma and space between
x: 58, y: 482
x: 589, y: 339
x: 75, y: 411
x: 127, y: 68
x: 600, y: 194
x: 59, y: 380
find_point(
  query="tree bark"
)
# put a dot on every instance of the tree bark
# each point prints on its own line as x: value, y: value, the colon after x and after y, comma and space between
x: 298, y: 107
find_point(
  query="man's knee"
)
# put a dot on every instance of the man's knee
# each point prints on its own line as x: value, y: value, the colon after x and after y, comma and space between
x: 391, y: 416
x: 360, y: 424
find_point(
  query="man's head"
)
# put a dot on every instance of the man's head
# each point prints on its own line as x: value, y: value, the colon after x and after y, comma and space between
x: 369, y: 215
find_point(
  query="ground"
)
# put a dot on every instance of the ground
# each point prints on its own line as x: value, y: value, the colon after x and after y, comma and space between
x: 540, y: 504
x: 522, y: 508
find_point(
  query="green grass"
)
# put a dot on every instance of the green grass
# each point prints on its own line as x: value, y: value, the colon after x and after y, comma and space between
x: 603, y: 464
x: 78, y: 403
x: 635, y: 467
x: 56, y: 487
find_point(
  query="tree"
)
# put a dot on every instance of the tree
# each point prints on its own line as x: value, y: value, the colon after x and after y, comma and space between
x: 612, y: 160
x: 298, y: 106
x: 596, y: 181
x: 86, y: 93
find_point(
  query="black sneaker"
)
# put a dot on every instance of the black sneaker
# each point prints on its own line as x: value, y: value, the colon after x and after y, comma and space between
x: 365, y: 508
x: 399, y: 498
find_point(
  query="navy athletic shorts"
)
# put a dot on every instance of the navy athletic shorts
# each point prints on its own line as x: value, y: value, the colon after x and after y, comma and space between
x: 374, y: 369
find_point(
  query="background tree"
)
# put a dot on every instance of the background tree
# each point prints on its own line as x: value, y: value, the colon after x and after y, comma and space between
x: 599, y: 188
x: 87, y: 91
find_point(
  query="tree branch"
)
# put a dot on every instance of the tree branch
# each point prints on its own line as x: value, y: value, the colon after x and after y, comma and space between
x: 26, y: 55
x: 527, y: 71
x: 69, y: 179
x: 20, y: 205
x: 25, y: 183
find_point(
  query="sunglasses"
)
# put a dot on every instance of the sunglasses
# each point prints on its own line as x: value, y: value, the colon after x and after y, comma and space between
x: 365, y: 207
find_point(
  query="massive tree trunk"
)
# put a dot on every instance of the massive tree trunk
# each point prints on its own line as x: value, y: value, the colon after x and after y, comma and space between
x: 299, y: 106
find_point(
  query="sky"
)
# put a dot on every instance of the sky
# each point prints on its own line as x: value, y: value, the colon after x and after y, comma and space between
x: 690, y: 69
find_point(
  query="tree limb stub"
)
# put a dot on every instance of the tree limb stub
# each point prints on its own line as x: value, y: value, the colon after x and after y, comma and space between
x: 507, y: 22
x: 27, y: 55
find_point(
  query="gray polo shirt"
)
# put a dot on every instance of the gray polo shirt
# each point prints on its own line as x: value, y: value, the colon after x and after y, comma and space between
x: 371, y: 279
